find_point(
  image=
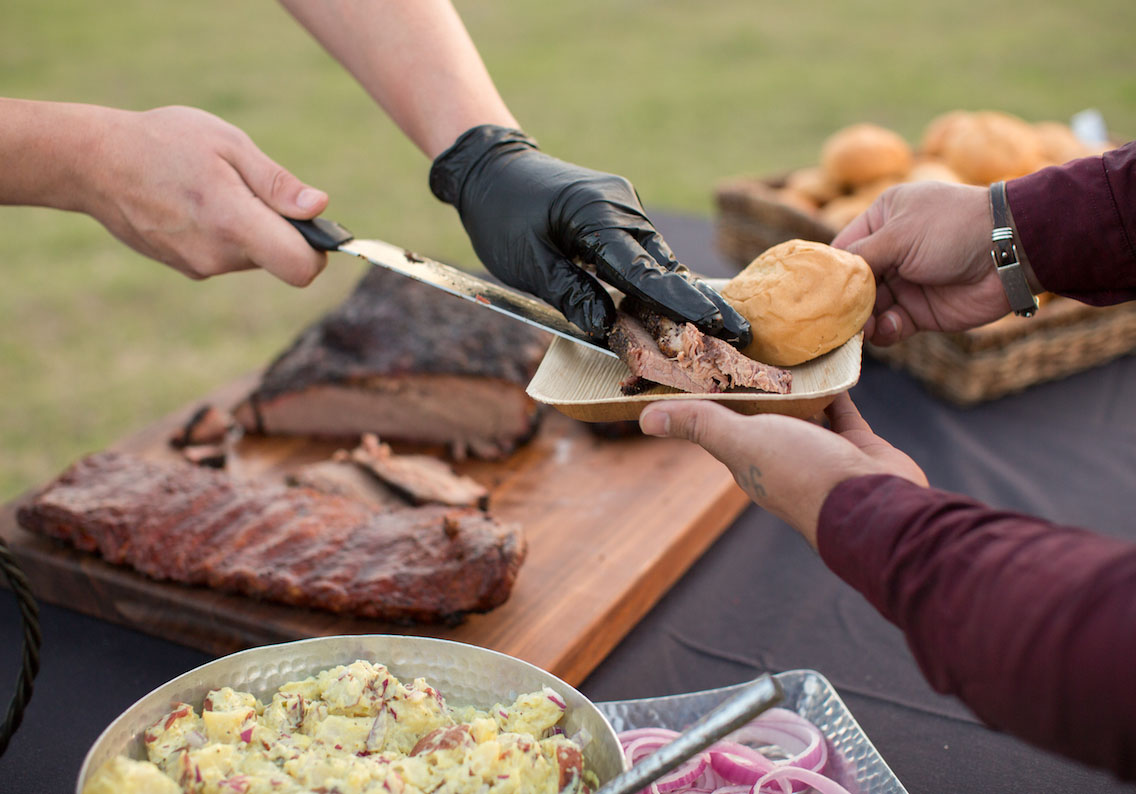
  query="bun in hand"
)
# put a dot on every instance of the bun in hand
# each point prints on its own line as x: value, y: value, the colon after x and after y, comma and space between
x: 802, y: 300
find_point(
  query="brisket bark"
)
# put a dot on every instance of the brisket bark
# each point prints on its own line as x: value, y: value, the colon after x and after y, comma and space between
x: 659, y: 350
x: 409, y: 363
x: 289, y: 544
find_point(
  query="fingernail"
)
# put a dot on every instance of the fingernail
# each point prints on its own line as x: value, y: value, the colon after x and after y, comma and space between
x: 309, y: 197
x: 655, y: 423
x: 891, y: 324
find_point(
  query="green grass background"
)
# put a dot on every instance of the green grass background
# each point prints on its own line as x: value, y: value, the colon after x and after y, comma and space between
x: 96, y: 340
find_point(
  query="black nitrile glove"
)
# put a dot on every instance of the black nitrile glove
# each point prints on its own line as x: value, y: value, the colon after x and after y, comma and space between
x: 529, y: 216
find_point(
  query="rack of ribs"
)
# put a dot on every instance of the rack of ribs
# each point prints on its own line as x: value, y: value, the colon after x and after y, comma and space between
x: 295, y: 545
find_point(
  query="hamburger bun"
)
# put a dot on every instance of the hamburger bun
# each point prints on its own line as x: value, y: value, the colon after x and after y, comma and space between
x: 987, y: 146
x: 842, y: 210
x: 813, y: 182
x: 797, y: 200
x: 864, y: 153
x: 1058, y: 143
x: 938, y: 131
x: 928, y: 169
x: 802, y: 300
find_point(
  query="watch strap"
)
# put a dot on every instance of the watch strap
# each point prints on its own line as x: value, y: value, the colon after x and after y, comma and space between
x: 1007, y: 263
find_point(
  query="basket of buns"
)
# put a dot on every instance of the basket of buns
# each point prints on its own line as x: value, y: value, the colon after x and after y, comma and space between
x: 858, y: 163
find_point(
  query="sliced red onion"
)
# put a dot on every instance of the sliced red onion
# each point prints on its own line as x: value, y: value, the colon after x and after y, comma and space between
x: 800, y: 739
x: 800, y: 779
x: 640, y: 743
x: 737, y: 763
x: 680, y: 778
x: 742, y: 763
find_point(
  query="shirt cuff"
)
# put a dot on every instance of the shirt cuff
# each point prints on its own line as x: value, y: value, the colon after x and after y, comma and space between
x: 1077, y: 237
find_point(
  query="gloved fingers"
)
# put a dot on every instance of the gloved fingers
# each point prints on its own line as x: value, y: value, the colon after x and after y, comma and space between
x: 622, y: 262
x: 735, y: 328
x: 576, y: 293
x: 658, y: 249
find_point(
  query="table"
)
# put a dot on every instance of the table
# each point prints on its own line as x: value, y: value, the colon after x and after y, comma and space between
x: 759, y: 600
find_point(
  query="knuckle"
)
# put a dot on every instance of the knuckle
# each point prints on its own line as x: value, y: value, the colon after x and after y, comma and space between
x: 279, y: 181
x: 210, y: 267
x: 690, y: 423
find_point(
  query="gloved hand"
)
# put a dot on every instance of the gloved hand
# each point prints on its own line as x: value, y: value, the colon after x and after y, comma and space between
x: 529, y: 216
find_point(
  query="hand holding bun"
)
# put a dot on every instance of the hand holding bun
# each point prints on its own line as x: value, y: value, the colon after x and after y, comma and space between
x: 802, y: 299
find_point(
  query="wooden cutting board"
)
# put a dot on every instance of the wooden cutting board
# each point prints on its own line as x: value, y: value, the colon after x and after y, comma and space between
x: 611, y: 525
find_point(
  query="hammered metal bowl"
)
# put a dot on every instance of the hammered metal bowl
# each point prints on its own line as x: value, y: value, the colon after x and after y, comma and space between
x: 853, y: 761
x: 466, y: 675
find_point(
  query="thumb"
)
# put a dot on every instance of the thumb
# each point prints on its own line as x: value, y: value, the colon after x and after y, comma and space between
x: 863, y: 237
x: 707, y: 424
x: 276, y: 186
x: 851, y: 234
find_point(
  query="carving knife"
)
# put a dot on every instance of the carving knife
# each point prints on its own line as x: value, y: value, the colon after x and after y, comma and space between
x: 326, y: 235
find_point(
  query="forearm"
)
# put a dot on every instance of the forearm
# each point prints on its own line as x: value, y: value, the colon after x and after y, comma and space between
x: 1077, y: 224
x: 415, y: 59
x: 45, y: 148
x: 1028, y: 623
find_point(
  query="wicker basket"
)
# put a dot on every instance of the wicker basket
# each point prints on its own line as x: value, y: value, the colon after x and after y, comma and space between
x: 967, y: 368
x: 751, y: 218
x: 1010, y: 355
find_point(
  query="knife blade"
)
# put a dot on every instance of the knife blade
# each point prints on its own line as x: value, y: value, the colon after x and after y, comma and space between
x: 327, y: 235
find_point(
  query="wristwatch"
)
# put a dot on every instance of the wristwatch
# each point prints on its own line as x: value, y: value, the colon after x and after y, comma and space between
x: 1005, y: 255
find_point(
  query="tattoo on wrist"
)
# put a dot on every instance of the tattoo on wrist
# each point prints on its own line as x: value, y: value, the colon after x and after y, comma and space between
x: 751, y: 483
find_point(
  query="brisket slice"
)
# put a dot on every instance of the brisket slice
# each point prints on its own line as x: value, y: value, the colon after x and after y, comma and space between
x: 632, y: 343
x: 345, y: 478
x: 658, y: 349
x: 293, y: 545
x: 409, y: 363
x: 421, y: 478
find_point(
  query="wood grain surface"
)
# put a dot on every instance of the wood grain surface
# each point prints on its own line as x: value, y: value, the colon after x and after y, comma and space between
x: 611, y: 525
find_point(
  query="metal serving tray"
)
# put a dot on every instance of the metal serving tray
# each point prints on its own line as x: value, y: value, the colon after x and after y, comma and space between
x: 853, y: 761
x: 466, y: 675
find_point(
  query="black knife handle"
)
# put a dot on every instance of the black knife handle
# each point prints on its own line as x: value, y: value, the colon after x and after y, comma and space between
x: 322, y: 234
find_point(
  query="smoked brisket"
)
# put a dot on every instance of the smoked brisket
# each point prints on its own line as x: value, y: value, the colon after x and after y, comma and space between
x: 659, y: 350
x: 420, y: 478
x: 294, y: 545
x: 409, y: 363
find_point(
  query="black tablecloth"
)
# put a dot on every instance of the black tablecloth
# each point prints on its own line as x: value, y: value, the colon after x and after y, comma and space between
x: 758, y: 601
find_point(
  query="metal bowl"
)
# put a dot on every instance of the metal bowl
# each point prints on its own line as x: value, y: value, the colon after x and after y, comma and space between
x: 465, y: 675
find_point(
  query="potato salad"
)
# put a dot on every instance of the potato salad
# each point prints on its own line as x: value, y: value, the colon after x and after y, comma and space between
x: 353, y: 729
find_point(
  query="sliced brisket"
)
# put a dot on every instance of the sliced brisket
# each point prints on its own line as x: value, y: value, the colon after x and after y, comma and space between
x: 346, y: 478
x: 632, y: 343
x: 658, y: 349
x: 409, y: 363
x: 294, y: 545
x: 421, y: 478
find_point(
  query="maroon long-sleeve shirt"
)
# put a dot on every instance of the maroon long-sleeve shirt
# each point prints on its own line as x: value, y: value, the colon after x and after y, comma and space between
x: 1031, y: 624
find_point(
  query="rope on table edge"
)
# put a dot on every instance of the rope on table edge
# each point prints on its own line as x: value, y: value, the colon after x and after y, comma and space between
x: 33, y: 639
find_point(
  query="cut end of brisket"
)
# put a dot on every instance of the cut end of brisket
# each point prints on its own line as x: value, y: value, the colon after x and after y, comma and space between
x: 409, y: 363
x: 480, y: 418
